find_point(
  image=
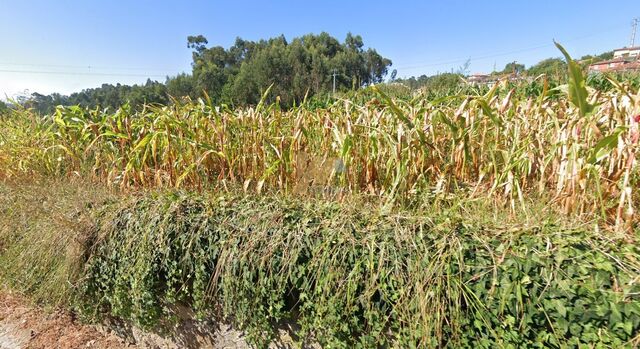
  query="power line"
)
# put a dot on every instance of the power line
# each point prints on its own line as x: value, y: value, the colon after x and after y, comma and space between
x: 447, y: 62
x: 533, y: 48
x: 78, y: 73
x: 634, y: 27
x: 78, y: 66
x: 472, y: 58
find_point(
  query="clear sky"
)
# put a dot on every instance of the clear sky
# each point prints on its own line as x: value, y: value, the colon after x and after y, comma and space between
x: 67, y: 45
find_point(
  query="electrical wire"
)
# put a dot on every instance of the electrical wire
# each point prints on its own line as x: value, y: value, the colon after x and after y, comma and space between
x: 89, y: 73
x: 78, y: 66
x: 79, y: 73
x: 533, y: 48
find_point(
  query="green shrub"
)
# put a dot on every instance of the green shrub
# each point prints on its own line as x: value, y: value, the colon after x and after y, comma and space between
x: 353, y: 276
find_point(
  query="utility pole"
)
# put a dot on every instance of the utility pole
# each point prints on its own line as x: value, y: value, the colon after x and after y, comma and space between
x: 334, y: 80
x: 634, y: 27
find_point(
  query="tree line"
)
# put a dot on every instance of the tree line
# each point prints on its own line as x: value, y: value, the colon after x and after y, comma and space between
x: 294, y: 70
x: 554, y: 68
x: 239, y: 75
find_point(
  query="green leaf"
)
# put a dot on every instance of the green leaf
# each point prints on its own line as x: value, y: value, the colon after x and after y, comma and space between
x: 487, y: 110
x: 577, y: 86
x: 394, y: 107
x: 615, y: 316
x: 605, y: 146
x: 142, y: 143
x: 398, y: 112
x: 562, y: 310
x: 260, y: 105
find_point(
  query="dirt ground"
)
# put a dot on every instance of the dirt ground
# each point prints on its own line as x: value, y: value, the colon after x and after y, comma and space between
x: 26, y: 326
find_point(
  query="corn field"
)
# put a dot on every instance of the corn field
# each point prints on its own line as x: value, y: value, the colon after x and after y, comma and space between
x: 578, y: 151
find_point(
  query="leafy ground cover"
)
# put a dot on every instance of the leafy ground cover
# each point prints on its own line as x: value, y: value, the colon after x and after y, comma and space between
x: 489, y: 217
x: 349, y: 277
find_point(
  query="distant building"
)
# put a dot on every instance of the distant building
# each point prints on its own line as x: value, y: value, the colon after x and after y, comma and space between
x: 479, y: 79
x: 627, y: 52
x: 624, y: 59
x: 616, y: 64
x: 491, y: 79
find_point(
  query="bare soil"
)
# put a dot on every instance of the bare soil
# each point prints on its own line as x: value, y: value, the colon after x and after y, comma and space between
x: 27, y: 326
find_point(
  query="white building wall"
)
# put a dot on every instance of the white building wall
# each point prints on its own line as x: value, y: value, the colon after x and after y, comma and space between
x: 626, y: 52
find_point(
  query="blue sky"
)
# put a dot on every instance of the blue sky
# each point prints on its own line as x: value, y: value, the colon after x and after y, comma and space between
x: 67, y: 45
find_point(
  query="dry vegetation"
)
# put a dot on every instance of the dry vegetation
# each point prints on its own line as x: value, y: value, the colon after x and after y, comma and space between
x: 579, y: 154
x: 472, y: 220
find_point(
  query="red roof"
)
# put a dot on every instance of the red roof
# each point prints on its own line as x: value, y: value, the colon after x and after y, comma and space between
x: 627, y: 48
x: 615, y: 60
x: 627, y: 65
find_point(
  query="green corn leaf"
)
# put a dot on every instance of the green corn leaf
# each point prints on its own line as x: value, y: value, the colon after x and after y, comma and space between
x: 605, y: 146
x: 577, y: 87
x: 263, y: 99
x: 487, y: 110
x: 398, y: 112
x: 143, y: 142
x: 394, y: 108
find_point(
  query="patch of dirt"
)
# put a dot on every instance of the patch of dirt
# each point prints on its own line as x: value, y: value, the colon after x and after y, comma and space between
x: 25, y: 326
x: 28, y: 327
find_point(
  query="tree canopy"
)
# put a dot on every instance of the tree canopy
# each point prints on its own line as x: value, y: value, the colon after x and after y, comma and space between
x: 513, y: 68
x: 106, y: 96
x: 304, y: 67
x: 553, y: 67
x: 239, y: 75
x: 601, y: 57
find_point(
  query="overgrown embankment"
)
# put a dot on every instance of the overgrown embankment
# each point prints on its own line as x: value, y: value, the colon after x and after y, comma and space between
x: 348, y: 273
x: 374, y: 221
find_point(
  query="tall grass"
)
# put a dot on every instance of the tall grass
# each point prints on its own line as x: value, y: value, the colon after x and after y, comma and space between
x: 44, y: 236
